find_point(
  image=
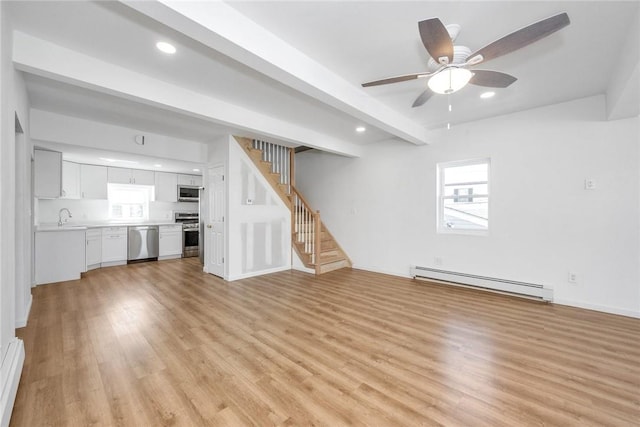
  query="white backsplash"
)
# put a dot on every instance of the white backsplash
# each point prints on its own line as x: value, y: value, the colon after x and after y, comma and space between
x: 90, y: 211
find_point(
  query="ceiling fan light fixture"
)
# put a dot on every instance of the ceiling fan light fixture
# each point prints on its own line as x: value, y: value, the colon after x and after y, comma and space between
x: 449, y: 80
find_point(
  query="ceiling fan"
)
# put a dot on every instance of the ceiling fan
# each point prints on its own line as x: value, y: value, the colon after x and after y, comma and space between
x: 452, y: 62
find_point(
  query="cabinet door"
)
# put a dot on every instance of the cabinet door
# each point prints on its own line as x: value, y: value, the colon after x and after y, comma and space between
x: 93, y: 182
x: 166, y: 187
x: 195, y: 180
x: 94, y: 248
x: 170, y: 240
x: 70, y: 180
x: 184, y: 180
x: 47, y: 174
x: 59, y: 255
x: 119, y: 176
x: 142, y: 177
x: 114, y: 244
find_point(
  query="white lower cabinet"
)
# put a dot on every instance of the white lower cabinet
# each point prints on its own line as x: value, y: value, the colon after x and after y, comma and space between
x: 114, y: 246
x: 170, y: 241
x: 94, y: 248
x: 59, y: 255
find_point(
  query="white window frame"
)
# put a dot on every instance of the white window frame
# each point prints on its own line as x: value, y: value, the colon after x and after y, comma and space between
x: 145, y: 204
x: 440, y: 222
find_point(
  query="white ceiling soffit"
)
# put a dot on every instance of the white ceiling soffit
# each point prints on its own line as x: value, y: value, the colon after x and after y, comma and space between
x: 42, y: 58
x: 222, y: 28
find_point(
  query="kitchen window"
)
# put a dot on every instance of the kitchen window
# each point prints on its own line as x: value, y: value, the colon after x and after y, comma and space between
x: 129, y: 202
x: 463, y: 197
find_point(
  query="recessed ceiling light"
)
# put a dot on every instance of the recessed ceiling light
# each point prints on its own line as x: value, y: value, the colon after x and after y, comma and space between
x: 487, y: 95
x: 361, y: 129
x: 166, y: 47
x: 196, y: 170
x: 157, y: 165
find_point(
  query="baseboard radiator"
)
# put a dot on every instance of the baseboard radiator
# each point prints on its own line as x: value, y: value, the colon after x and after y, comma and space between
x: 511, y: 287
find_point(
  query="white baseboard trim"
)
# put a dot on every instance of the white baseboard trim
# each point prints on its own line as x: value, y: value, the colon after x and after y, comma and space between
x: 21, y: 323
x: 258, y: 273
x: 14, y: 361
x: 598, y: 307
x: 113, y: 263
x: 165, y: 257
x: 303, y: 269
x: 377, y: 270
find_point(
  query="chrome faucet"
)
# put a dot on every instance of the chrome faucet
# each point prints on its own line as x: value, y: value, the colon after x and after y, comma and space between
x: 60, y: 221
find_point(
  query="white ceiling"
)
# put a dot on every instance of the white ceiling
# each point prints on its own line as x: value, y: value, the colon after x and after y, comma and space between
x: 357, y: 41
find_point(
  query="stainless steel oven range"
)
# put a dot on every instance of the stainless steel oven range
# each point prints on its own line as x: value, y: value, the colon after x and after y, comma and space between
x: 190, y: 233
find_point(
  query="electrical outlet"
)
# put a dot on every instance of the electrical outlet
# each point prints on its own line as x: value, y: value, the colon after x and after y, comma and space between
x: 572, y: 277
x: 437, y: 260
x: 249, y: 201
x: 589, y: 184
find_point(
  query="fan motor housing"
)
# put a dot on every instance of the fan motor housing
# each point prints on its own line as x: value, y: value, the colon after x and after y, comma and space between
x: 460, y: 55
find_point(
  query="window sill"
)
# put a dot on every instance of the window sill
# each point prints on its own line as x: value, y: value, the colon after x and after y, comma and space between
x: 462, y: 232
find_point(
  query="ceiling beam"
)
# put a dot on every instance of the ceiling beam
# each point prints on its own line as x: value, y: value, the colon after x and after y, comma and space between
x: 43, y: 58
x: 624, y: 83
x: 224, y: 29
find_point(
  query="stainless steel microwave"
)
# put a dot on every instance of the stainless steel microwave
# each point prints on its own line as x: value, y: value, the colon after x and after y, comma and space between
x: 188, y: 193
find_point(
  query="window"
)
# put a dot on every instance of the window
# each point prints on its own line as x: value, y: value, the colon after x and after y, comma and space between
x: 129, y: 202
x: 463, y: 196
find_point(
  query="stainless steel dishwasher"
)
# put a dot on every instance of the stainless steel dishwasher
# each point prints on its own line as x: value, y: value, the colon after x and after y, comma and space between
x: 143, y: 242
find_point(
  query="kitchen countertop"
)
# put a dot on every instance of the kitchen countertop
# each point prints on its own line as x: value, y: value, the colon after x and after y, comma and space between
x: 102, y: 224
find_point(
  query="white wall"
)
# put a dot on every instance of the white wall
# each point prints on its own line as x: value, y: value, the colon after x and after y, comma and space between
x: 258, y: 234
x: 543, y: 223
x: 14, y: 281
x: 58, y: 128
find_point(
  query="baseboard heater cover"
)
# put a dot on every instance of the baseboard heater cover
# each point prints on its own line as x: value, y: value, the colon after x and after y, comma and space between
x: 490, y: 283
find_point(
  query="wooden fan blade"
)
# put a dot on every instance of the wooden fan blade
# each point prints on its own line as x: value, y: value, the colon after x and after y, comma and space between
x: 396, y: 79
x: 491, y: 78
x: 422, y: 98
x: 523, y: 37
x: 436, y: 39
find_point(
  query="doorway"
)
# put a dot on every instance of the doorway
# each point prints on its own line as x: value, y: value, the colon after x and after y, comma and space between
x: 214, y: 225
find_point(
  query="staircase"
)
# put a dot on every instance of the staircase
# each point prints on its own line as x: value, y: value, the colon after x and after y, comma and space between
x: 310, y: 238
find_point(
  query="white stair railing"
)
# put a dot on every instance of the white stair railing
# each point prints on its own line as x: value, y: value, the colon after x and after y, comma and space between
x: 280, y: 159
x: 306, y: 225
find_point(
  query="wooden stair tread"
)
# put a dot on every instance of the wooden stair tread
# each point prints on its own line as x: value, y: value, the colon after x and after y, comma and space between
x: 332, y: 260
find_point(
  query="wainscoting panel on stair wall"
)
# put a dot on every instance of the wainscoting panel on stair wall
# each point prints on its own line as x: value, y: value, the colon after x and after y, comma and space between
x: 315, y: 246
x: 258, y: 221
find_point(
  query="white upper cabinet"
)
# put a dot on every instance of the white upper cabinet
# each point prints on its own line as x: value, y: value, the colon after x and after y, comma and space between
x: 93, y: 182
x: 130, y: 176
x: 142, y: 177
x: 195, y: 180
x: 166, y: 187
x: 118, y: 175
x: 47, y: 174
x: 70, y: 180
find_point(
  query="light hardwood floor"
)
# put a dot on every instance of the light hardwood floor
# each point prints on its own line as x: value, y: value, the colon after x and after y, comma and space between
x: 164, y: 344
